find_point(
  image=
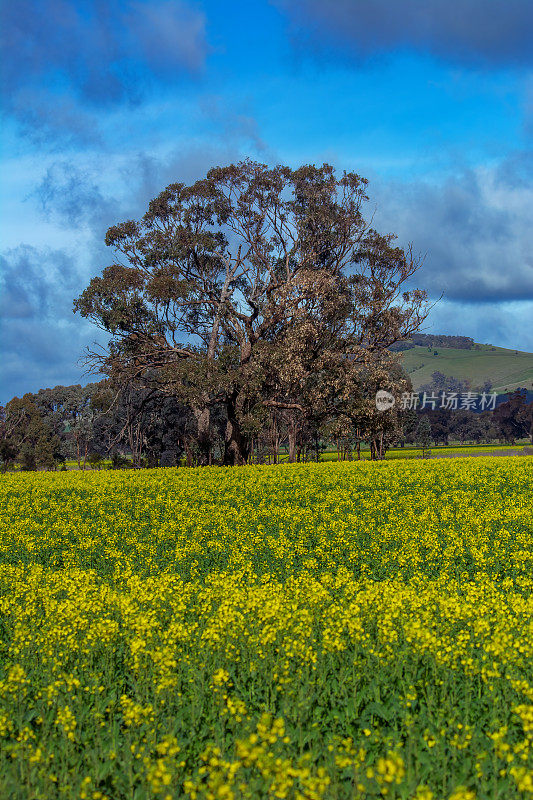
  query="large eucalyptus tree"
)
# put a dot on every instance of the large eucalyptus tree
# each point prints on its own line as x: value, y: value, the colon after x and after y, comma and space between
x: 254, y: 287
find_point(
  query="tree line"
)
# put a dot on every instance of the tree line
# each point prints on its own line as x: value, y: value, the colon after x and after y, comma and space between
x: 145, y: 428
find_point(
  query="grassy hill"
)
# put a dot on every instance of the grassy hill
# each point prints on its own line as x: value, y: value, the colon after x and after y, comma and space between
x: 507, y: 369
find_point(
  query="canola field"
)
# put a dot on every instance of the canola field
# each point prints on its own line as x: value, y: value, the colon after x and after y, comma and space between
x: 352, y: 630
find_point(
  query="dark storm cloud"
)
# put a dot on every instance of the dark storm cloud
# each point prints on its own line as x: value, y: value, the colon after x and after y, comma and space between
x: 478, y: 32
x: 516, y: 172
x: 170, y: 35
x: 41, y: 338
x: 36, y: 356
x: 36, y: 283
x: 54, y: 121
x: 71, y: 196
x: 475, y: 229
x: 62, y: 59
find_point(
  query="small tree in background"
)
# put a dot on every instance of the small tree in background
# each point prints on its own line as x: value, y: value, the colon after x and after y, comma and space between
x: 511, y: 417
x: 27, y: 437
x: 423, y: 436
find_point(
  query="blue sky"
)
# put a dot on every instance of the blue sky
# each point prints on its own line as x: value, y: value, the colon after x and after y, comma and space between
x: 105, y: 103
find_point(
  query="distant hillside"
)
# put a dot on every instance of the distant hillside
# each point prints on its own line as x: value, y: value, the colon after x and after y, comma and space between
x: 505, y: 369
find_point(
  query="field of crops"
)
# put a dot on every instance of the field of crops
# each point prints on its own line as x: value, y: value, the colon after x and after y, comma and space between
x: 352, y: 630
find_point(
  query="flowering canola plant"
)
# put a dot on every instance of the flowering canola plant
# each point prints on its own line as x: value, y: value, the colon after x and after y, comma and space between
x: 351, y: 630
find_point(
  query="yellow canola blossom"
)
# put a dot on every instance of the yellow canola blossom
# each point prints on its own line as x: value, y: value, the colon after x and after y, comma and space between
x: 305, y: 631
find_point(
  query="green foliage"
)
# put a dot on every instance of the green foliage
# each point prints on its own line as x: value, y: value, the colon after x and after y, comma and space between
x: 27, y: 437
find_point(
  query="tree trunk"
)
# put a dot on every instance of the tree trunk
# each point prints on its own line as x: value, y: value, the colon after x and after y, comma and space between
x: 292, y: 441
x: 188, y: 452
x: 236, y: 445
x: 135, y: 441
x: 203, y: 421
x: 274, y: 439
